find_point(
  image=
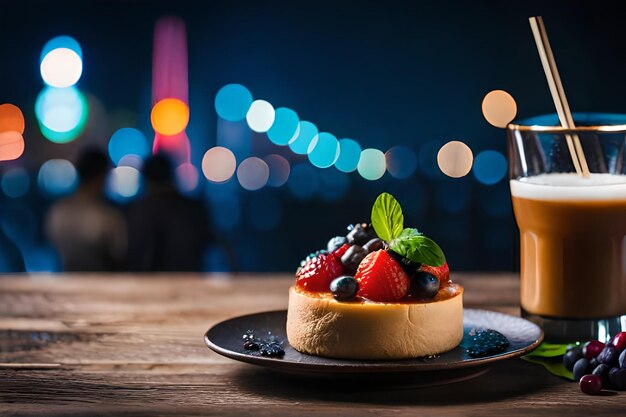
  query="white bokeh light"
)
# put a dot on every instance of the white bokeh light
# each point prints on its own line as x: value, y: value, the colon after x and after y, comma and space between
x: 218, y: 164
x: 124, y: 181
x: 260, y: 116
x: 61, y: 67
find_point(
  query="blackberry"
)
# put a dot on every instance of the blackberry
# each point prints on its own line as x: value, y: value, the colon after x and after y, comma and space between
x: 485, y: 342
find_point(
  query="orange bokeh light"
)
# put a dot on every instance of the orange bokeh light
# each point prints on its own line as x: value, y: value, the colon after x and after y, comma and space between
x: 11, y: 119
x: 11, y: 145
x: 169, y: 116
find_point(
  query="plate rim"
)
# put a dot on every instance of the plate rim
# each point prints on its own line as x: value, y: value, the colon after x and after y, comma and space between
x: 347, y: 366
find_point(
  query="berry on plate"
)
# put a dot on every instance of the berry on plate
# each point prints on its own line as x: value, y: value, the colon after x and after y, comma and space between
x: 381, y: 278
x: 317, y: 273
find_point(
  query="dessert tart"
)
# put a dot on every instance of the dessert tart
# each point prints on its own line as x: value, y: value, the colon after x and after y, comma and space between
x: 381, y: 292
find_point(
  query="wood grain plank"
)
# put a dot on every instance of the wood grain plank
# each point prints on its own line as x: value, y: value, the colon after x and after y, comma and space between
x: 125, y: 345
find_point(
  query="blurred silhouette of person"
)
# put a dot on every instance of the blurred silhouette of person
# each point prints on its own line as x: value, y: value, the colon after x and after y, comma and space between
x: 87, y: 231
x: 167, y: 231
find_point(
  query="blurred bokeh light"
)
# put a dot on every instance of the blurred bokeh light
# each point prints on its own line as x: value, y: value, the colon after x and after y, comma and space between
x: 285, y: 126
x: 125, y: 142
x: 62, y: 113
x: 260, y: 116
x: 279, y: 170
x: 499, y: 108
x: 187, y: 177
x: 253, y: 173
x: 123, y: 183
x: 372, y: 164
x: 401, y: 162
x: 57, y: 177
x: 306, y: 133
x: 349, y: 155
x: 323, y: 150
x: 455, y: 159
x: 11, y: 118
x: 11, y: 145
x: 218, y: 164
x: 490, y: 167
x: 15, y: 182
x: 232, y: 102
x: 61, y: 62
x: 169, y: 116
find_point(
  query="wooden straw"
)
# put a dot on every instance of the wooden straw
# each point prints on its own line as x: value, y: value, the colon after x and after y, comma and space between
x: 558, y: 94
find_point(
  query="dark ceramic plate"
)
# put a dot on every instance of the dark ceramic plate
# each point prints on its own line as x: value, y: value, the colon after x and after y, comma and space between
x: 225, y: 338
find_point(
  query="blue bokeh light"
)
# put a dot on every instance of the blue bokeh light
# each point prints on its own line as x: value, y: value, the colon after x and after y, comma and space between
x: 307, y: 132
x: 349, y: 154
x: 401, y: 162
x: 41, y: 259
x: 324, y: 150
x: 303, y: 182
x: 62, y: 41
x: 285, y: 127
x: 62, y: 113
x: 127, y: 141
x: 490, y: 167
x: 57, y: 177
x: 264, y: 212
x: 232, y: 102
x: 15, y: 182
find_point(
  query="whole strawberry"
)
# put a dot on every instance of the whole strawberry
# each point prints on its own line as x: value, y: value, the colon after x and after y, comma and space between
x: 381, y: 278
x: 317, y: 273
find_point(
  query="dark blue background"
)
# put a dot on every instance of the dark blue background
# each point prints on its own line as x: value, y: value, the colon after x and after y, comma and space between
x: 384, y: 73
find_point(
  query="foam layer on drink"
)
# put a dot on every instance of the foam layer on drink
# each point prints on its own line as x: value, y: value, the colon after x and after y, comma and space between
x: 570, y: 186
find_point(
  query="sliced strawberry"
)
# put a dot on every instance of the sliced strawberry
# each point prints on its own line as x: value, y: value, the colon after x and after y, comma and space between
x: 317, y: 273
x: 441, y: 272
x: 341, y: 250
x: 381, y: 278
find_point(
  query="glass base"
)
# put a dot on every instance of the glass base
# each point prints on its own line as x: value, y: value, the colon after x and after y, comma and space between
x: 568, y: 331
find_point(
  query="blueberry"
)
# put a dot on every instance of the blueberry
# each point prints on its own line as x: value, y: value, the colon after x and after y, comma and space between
x: 622, y: 359
x: 411, y: 268
x: 373, y: 245
x: 570, y: 358
x: 361, y: 234
x: 602, y: 371
x: 424, y: 285
x: 336, y: 242
x: 581, y: 367
x: 609, y: 356
x: 353, y: 257
x: 618, y: 378
x: 344, y: 288
x: 590, y: 384
x: 593, y: 363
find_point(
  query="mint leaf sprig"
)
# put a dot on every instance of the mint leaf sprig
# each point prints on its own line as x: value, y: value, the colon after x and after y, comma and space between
x: 388, y: 222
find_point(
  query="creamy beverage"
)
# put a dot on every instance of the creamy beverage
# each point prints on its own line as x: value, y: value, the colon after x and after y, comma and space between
x: 573, y: 244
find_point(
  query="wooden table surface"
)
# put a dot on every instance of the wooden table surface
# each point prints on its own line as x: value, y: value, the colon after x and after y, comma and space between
x: 126, y: 345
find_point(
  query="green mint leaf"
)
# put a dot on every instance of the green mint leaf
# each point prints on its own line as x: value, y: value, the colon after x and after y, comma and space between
x: 418, y: 248
x: 387, y: 217
x: 554, y: 365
